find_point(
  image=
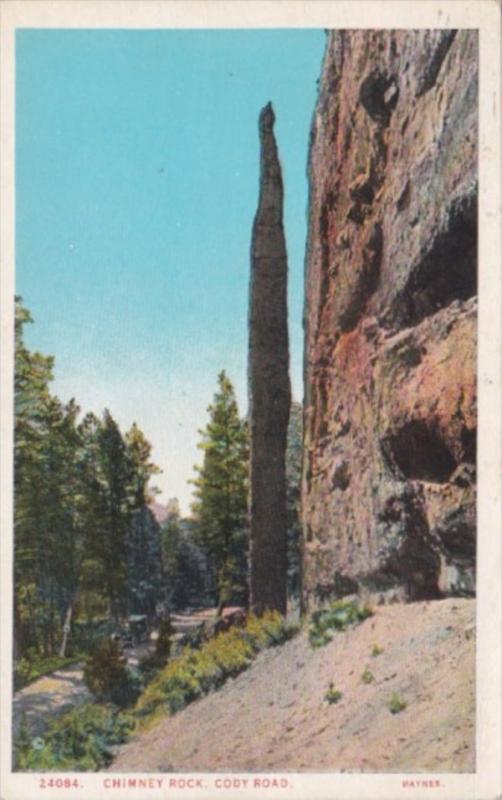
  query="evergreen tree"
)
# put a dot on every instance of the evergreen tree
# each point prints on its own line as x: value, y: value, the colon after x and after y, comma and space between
x: 221, y: 489
x: 115, y: 475
x: 47, y: 519
x: 188, y: 571
x: 144, y: 564
x: 84, y: 535
x: 143, y: 469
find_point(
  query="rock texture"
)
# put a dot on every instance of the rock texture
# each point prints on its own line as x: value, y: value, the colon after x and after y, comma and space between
x: 390, y: 358
x: 269, y: 386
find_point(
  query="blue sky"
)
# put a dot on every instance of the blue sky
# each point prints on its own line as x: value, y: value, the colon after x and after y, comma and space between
x: 137, y: 168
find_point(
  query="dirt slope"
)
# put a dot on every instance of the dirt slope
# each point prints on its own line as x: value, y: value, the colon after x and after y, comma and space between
x: 274, y: 717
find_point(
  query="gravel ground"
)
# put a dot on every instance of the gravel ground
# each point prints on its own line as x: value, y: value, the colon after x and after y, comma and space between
x: 274, y: 716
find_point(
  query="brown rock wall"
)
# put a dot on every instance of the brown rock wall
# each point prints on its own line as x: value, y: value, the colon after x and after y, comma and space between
x: 390, y: 353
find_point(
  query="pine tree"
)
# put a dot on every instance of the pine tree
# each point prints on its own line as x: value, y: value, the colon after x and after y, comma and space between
x: 187, y: 569
x: 84, y: 534
x: 220, y: 506
x: 48, y: 525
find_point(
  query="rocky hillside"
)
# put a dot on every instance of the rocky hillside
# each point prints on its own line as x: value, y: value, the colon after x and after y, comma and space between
x: 390, y: 356
x: 417, y: 659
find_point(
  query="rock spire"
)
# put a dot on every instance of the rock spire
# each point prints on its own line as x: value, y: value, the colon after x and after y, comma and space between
x: 269, y: 386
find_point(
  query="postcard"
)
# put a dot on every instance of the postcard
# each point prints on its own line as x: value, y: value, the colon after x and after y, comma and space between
x: 251, y: 400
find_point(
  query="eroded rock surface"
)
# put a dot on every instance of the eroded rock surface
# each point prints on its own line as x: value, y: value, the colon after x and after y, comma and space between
x: 269, y: 386
x: 390, y: 359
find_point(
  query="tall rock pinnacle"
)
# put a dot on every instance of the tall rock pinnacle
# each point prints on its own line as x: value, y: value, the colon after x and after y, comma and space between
x: 268, y: 377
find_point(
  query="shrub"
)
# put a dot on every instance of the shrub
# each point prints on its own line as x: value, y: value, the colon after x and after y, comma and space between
x: 268, y: 630
x: 376, y: 651
x: 367, y: 676
x: 396, y: 704
x: 163, y: 645
x: 206, y: 670
x: 338, y: 617
x: 231, y: 652
x: 151, y: 664
x: 333, y: 695
x: 108, y: 677
x: 79, y: 740
x: 195, y: 639
x: 22, y: 741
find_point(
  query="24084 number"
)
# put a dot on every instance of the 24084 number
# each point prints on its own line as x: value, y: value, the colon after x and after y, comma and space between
x: 60, y: 783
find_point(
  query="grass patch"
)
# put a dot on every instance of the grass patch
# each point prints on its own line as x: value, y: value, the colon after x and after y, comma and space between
x: 198, y: 671
x: 337, y: 617
x: 27, y: 671
x: 77, y: 741
x: 367, y: 676
x: 396, y: 704
x: 376, y: 651
x: 333, y: 695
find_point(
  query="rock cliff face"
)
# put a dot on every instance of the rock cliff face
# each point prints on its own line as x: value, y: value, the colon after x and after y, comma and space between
x: 390, y: 355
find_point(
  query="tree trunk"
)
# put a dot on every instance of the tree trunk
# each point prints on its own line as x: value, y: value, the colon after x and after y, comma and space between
x: 269, y: 387
x: 66, y: 630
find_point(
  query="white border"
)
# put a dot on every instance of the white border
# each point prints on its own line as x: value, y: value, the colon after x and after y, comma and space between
x: 483, y: 15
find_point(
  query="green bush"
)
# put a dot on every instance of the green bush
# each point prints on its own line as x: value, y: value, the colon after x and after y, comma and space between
x: 396, y: 704
x: 107, y: 676
x: 367, y: 676
x: 78, y: 741
x: 376, y: 651
x: 231, y: 652
x: 333, y: 695
x: 151, y: 664
x: 325, y: 622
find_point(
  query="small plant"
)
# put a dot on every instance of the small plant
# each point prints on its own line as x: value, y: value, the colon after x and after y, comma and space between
x: 376, y: 651
x: 163, y: 645
x: 22, y: 741
x: 151, y: 664
x: 338, y: 617
x: 396, y: 704
x: 333, y: 695
x: 367, y: 676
